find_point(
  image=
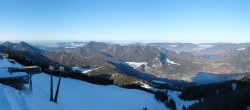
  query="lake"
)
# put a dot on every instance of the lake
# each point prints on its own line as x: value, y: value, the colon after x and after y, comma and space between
x: 207, y: 55
x: 208, y: 78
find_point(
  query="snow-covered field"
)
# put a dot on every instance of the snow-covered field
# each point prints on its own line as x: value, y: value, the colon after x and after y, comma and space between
x: 74, y: 95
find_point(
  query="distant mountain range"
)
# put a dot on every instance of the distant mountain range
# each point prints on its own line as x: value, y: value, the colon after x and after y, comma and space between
x: 159, y: 60
x: 22, y: 46
x: 26, y: 50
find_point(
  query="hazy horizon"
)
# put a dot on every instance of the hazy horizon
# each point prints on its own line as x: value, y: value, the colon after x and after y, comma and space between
x: 120, y: 41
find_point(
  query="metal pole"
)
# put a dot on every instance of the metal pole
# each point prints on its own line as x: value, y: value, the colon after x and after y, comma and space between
x: 30, y: 78
x: 58, y: 86
x: 51, y: 86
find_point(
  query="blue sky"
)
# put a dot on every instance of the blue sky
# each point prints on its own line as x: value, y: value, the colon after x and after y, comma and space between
x: 137, y: 20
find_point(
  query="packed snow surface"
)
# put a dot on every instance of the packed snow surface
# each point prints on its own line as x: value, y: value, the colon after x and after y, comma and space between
x: 74, y: 95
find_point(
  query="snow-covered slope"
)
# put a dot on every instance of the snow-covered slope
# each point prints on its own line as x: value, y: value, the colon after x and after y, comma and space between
x: 170, y: 62
x: 136, y: 64
x: 179, y: 102
x: 75, y: 95
x: 241, y: 48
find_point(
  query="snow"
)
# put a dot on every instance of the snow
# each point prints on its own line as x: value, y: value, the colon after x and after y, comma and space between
x: 135, y: 64
x: 177, y: 52
x: 159, y: 82
x: 91, y: 70
x: 79, y: 69
x: 74, y: 95
x: 241, y: 48
x: 179, y: 102
x: 234, y: 86
x: 204, y: 46
x: 172, y: 62
x: 4, y: 65
x: 84, y: 70
x: 26, y: 67
x: 146, y: 86
x: 70, y: 47
x: 16, y: 74
x: 197, y: 63
x: 173, y: 45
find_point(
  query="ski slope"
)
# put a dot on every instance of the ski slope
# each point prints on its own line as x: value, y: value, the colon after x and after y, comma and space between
x: 74, y: 95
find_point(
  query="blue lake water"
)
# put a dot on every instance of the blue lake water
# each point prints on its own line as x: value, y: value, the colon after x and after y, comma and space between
x: 208, y: 78
x: 207, y: 55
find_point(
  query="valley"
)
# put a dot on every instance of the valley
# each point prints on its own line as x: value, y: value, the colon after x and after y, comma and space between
x: 124, y: 55
x: 137, y: 66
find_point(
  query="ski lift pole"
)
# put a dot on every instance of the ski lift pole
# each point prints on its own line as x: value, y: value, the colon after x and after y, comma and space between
x: 58, y: 85
x: 51, y: 83
x: 30, y: 82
